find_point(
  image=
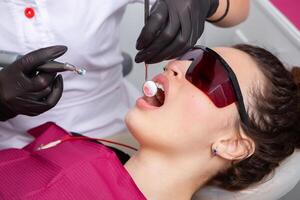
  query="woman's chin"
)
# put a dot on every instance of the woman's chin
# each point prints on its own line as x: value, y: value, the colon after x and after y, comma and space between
x: 131, y: 120
x: 136, y: 122
x: 128, y: 117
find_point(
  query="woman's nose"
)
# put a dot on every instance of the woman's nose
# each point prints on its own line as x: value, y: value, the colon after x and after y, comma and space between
x: 175, y: 68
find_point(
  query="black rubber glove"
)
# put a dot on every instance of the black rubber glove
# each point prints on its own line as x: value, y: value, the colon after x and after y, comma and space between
x: 24, y: 91
x: 173, y: 27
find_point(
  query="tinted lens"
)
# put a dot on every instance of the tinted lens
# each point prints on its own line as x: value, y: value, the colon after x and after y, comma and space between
x: 209, y: 75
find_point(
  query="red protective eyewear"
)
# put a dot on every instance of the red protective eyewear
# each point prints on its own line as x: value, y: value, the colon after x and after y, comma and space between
x: 211, y: 74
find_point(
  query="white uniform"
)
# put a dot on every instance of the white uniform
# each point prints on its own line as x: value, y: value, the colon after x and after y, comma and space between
x: 95, y: 103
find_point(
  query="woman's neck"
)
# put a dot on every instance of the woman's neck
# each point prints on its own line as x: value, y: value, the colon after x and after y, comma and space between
x: 165, y: 176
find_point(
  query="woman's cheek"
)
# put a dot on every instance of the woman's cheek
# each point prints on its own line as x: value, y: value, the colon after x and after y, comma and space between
x: 195, y: 104
x: 198, y: 108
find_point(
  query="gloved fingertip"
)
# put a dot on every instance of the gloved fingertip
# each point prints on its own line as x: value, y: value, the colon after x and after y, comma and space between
x: 57, y: 51
x: 56, y: 48
x: 58, y: 81
x: 60, y: 47
x: 59, y: 77
x: 138, y: 59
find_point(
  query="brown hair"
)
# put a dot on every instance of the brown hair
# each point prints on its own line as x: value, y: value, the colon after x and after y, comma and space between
x: 274, y: 123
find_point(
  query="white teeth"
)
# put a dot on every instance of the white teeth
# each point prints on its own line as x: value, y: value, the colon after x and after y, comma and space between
x: 160, y: 86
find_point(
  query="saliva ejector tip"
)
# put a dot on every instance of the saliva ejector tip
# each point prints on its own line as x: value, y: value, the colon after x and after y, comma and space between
x: 71, y: 67
x: 81, y: 71
x: 150, y: 88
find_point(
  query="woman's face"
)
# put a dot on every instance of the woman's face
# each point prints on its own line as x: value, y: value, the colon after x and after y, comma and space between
x: 188, y: 118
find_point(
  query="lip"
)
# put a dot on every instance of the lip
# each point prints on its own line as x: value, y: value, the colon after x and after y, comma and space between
x: 161, y: 79
x: 142, y: 103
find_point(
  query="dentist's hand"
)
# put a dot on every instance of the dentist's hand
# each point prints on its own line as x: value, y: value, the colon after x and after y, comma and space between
x: 173, y: 27
x: 23, y: 91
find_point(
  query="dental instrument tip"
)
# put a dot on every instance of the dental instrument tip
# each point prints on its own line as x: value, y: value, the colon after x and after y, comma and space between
x: 150, y: 88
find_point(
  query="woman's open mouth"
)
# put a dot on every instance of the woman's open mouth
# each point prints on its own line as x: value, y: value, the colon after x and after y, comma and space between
x: 158, y: 100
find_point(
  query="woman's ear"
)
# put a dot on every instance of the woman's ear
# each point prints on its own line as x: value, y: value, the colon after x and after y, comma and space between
x: 235, y: 148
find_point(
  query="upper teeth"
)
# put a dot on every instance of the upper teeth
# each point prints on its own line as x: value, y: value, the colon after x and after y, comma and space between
x: 160, y: 86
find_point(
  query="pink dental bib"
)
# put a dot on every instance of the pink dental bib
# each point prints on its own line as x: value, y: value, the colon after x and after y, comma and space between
x: 72, y: 170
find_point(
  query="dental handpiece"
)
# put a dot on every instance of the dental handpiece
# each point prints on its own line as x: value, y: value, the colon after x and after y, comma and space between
x: 7, y: 58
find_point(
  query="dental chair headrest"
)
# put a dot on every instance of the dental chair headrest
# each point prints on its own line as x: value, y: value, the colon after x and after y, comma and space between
x: 284, y: 179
